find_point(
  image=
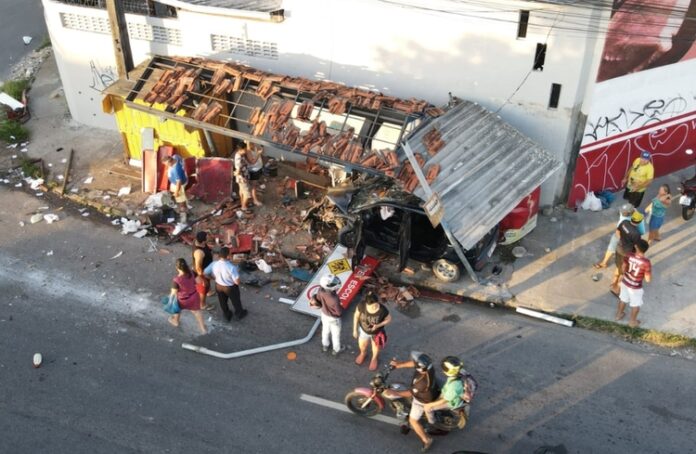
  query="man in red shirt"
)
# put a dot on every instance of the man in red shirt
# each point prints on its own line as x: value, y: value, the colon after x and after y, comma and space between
x: 636, y: 269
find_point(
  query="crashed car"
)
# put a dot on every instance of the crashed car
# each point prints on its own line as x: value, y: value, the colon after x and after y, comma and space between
x: 381, y: 215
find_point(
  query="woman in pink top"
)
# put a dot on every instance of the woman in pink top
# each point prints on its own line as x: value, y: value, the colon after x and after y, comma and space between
x: 184, y: 288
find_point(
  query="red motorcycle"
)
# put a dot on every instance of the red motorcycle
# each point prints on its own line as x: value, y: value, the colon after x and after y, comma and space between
x: 372, y: 401
x: 688, y: 197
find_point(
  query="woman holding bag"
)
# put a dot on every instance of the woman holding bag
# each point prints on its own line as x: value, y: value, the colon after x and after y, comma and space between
x: 656, y: 210
x: 184, y: 289
x: 369, y: 321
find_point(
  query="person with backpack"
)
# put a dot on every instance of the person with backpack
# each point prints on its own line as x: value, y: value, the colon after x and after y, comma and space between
x: 327, y: 301
x: 457, y: 391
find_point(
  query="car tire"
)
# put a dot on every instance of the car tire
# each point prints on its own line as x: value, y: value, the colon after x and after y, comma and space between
x: 446, y: 271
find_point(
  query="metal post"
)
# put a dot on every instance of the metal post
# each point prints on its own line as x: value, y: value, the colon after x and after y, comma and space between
x: 211, y: 144
x: 119, y: 35
x: 428, y: 193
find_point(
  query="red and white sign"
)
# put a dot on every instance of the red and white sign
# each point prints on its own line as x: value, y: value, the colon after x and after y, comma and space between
x: 338, y: 264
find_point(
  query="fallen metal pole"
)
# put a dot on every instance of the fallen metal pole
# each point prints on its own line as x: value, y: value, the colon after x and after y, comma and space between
x: 253, y: 351
x: 547, y: 317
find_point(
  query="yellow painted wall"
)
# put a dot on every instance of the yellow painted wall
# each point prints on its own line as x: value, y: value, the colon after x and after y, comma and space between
x: 186, y: 141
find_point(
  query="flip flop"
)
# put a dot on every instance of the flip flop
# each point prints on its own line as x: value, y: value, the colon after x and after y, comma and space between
x: 598, y: 266
x: 616, y: 294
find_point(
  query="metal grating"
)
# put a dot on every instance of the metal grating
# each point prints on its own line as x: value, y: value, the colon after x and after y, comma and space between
x: 141, y: 7
x: 147, y: 32
x: 487, y: 167
x: 85, y: 23
x: 242, y: 46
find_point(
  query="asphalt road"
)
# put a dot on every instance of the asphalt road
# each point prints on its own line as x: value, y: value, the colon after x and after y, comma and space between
x: 19, y: 18
x: 115, y: 379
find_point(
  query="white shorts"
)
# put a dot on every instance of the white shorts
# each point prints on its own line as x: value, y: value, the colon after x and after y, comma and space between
x: 417, y: 409
x: 631, y: 296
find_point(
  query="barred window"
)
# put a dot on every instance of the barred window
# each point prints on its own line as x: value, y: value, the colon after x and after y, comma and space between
x: 242, y: 46
x: 142, y: 7
x: 147, y: 32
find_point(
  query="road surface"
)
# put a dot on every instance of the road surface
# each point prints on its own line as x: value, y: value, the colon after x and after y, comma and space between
x: 115, y: 379
x: 19, y: 18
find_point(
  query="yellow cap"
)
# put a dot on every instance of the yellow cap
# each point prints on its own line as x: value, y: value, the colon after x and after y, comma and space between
x: 636, y: 217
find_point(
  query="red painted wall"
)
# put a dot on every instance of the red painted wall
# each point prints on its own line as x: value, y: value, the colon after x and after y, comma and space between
x: 602, y: 164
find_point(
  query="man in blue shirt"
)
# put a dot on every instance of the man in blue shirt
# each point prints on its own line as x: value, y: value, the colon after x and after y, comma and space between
x: 177, y: 182
x: 226, y: 275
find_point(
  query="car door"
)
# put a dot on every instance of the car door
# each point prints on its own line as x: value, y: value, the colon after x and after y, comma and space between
x: 404, y: 239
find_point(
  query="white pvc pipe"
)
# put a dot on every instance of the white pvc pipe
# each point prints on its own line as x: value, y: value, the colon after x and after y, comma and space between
x: 547, y: 317
x: 253, y: 351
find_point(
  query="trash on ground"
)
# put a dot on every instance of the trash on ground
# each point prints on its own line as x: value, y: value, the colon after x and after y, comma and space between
x: 140, y: 233
x: 49, y: 253
x: 37, y: 360
x: 124, y: 191
x: 519, y: 251
x: 12, y: 103
x: 263, y: 266
x: 50, y: 218
x: 27, y: 40
x: 120, y: 253
x: 129, y: 226
x: 36, y: 218
x: 88, y: 180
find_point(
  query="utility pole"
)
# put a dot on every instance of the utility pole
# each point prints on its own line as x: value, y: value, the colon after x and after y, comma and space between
x: 119, y: 35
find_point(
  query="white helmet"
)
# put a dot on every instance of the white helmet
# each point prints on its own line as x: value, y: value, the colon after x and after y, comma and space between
x: 330, y: 282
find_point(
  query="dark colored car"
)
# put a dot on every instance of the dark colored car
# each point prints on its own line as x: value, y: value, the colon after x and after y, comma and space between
x: 381, y: 215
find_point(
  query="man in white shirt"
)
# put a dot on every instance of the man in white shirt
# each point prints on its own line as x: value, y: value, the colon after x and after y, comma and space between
x: 226, y: 275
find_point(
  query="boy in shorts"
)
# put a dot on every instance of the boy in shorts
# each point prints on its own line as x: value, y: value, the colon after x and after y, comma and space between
x: 636, y: 269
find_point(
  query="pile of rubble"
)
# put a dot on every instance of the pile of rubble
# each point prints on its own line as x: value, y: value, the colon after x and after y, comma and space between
x: 27, y: 67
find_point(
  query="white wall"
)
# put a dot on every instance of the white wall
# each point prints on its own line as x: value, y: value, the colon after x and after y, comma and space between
x: 402, y: 51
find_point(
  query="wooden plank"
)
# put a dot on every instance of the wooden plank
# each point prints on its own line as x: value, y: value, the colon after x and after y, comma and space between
x: 319, y: 181
x: 67, y: 172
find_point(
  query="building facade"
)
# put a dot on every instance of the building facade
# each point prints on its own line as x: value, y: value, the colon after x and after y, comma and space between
x: 534, y: 63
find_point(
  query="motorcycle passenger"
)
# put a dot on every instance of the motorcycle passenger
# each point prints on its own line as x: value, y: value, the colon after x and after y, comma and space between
x: 451, y: 397
x: 424, y: 390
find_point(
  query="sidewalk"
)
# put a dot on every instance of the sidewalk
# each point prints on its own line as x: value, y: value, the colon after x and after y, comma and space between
x: 556, y: 274
x: 560, y: 279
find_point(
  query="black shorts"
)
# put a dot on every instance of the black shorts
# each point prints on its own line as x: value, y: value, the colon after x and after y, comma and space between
x: 255, y: 175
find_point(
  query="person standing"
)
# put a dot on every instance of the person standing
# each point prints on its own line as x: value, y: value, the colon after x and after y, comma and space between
x: 424, y: 390
x: 326, y: 299
x: 628, y: 235
x: 625, y: 214
x: 255, y: 166
x: 369, y: 320
x: 184, y: 289
x: 202, y: 256
x: 638, y: 178
x: 657, y: 210
x: 177, y: 183
x: 636, y: 269
x: 241, y: 175
x: 226, y: 275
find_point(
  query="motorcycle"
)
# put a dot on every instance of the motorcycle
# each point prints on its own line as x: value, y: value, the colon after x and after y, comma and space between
x: 688, y: 197
x: 372, y: 401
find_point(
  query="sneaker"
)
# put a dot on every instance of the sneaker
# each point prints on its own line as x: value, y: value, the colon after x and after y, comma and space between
x: 335, y: 353
x: 324, y: 348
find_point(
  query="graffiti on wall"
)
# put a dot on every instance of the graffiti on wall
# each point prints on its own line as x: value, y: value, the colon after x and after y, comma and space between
x: 603, y: 165
x: 626, y: 119
x: 646, y: 34
x: 101, y: 76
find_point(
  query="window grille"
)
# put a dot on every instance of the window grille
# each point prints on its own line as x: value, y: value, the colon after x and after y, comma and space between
x: 241, y: 46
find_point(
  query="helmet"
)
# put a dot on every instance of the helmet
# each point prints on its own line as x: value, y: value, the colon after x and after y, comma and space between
x: 329, y: 282
x: 626, y: 209
x: 451, y: 366
x: 423, y: 362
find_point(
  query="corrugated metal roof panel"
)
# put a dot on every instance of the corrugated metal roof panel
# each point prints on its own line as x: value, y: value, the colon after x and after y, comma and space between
x: 486, y: 168
x: 264, y: 6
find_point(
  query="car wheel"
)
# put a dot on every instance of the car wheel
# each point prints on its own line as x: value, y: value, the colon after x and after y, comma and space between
x: 445, y: 270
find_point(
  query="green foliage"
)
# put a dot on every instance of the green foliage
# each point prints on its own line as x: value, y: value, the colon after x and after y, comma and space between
x: 12, y: 132
x: 46, y: 42
x: 30, y: 169
x: 15, y: 88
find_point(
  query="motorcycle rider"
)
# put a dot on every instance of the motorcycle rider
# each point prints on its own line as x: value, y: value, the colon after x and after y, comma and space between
x: 452, y: 391
x: 424, y: 389
x: 326, y: 299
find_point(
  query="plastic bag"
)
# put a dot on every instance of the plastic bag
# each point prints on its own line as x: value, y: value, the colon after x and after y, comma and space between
x: 170, y: 304
x: 263, y: 266
x: 591, y: 202
x: 606, y: 197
